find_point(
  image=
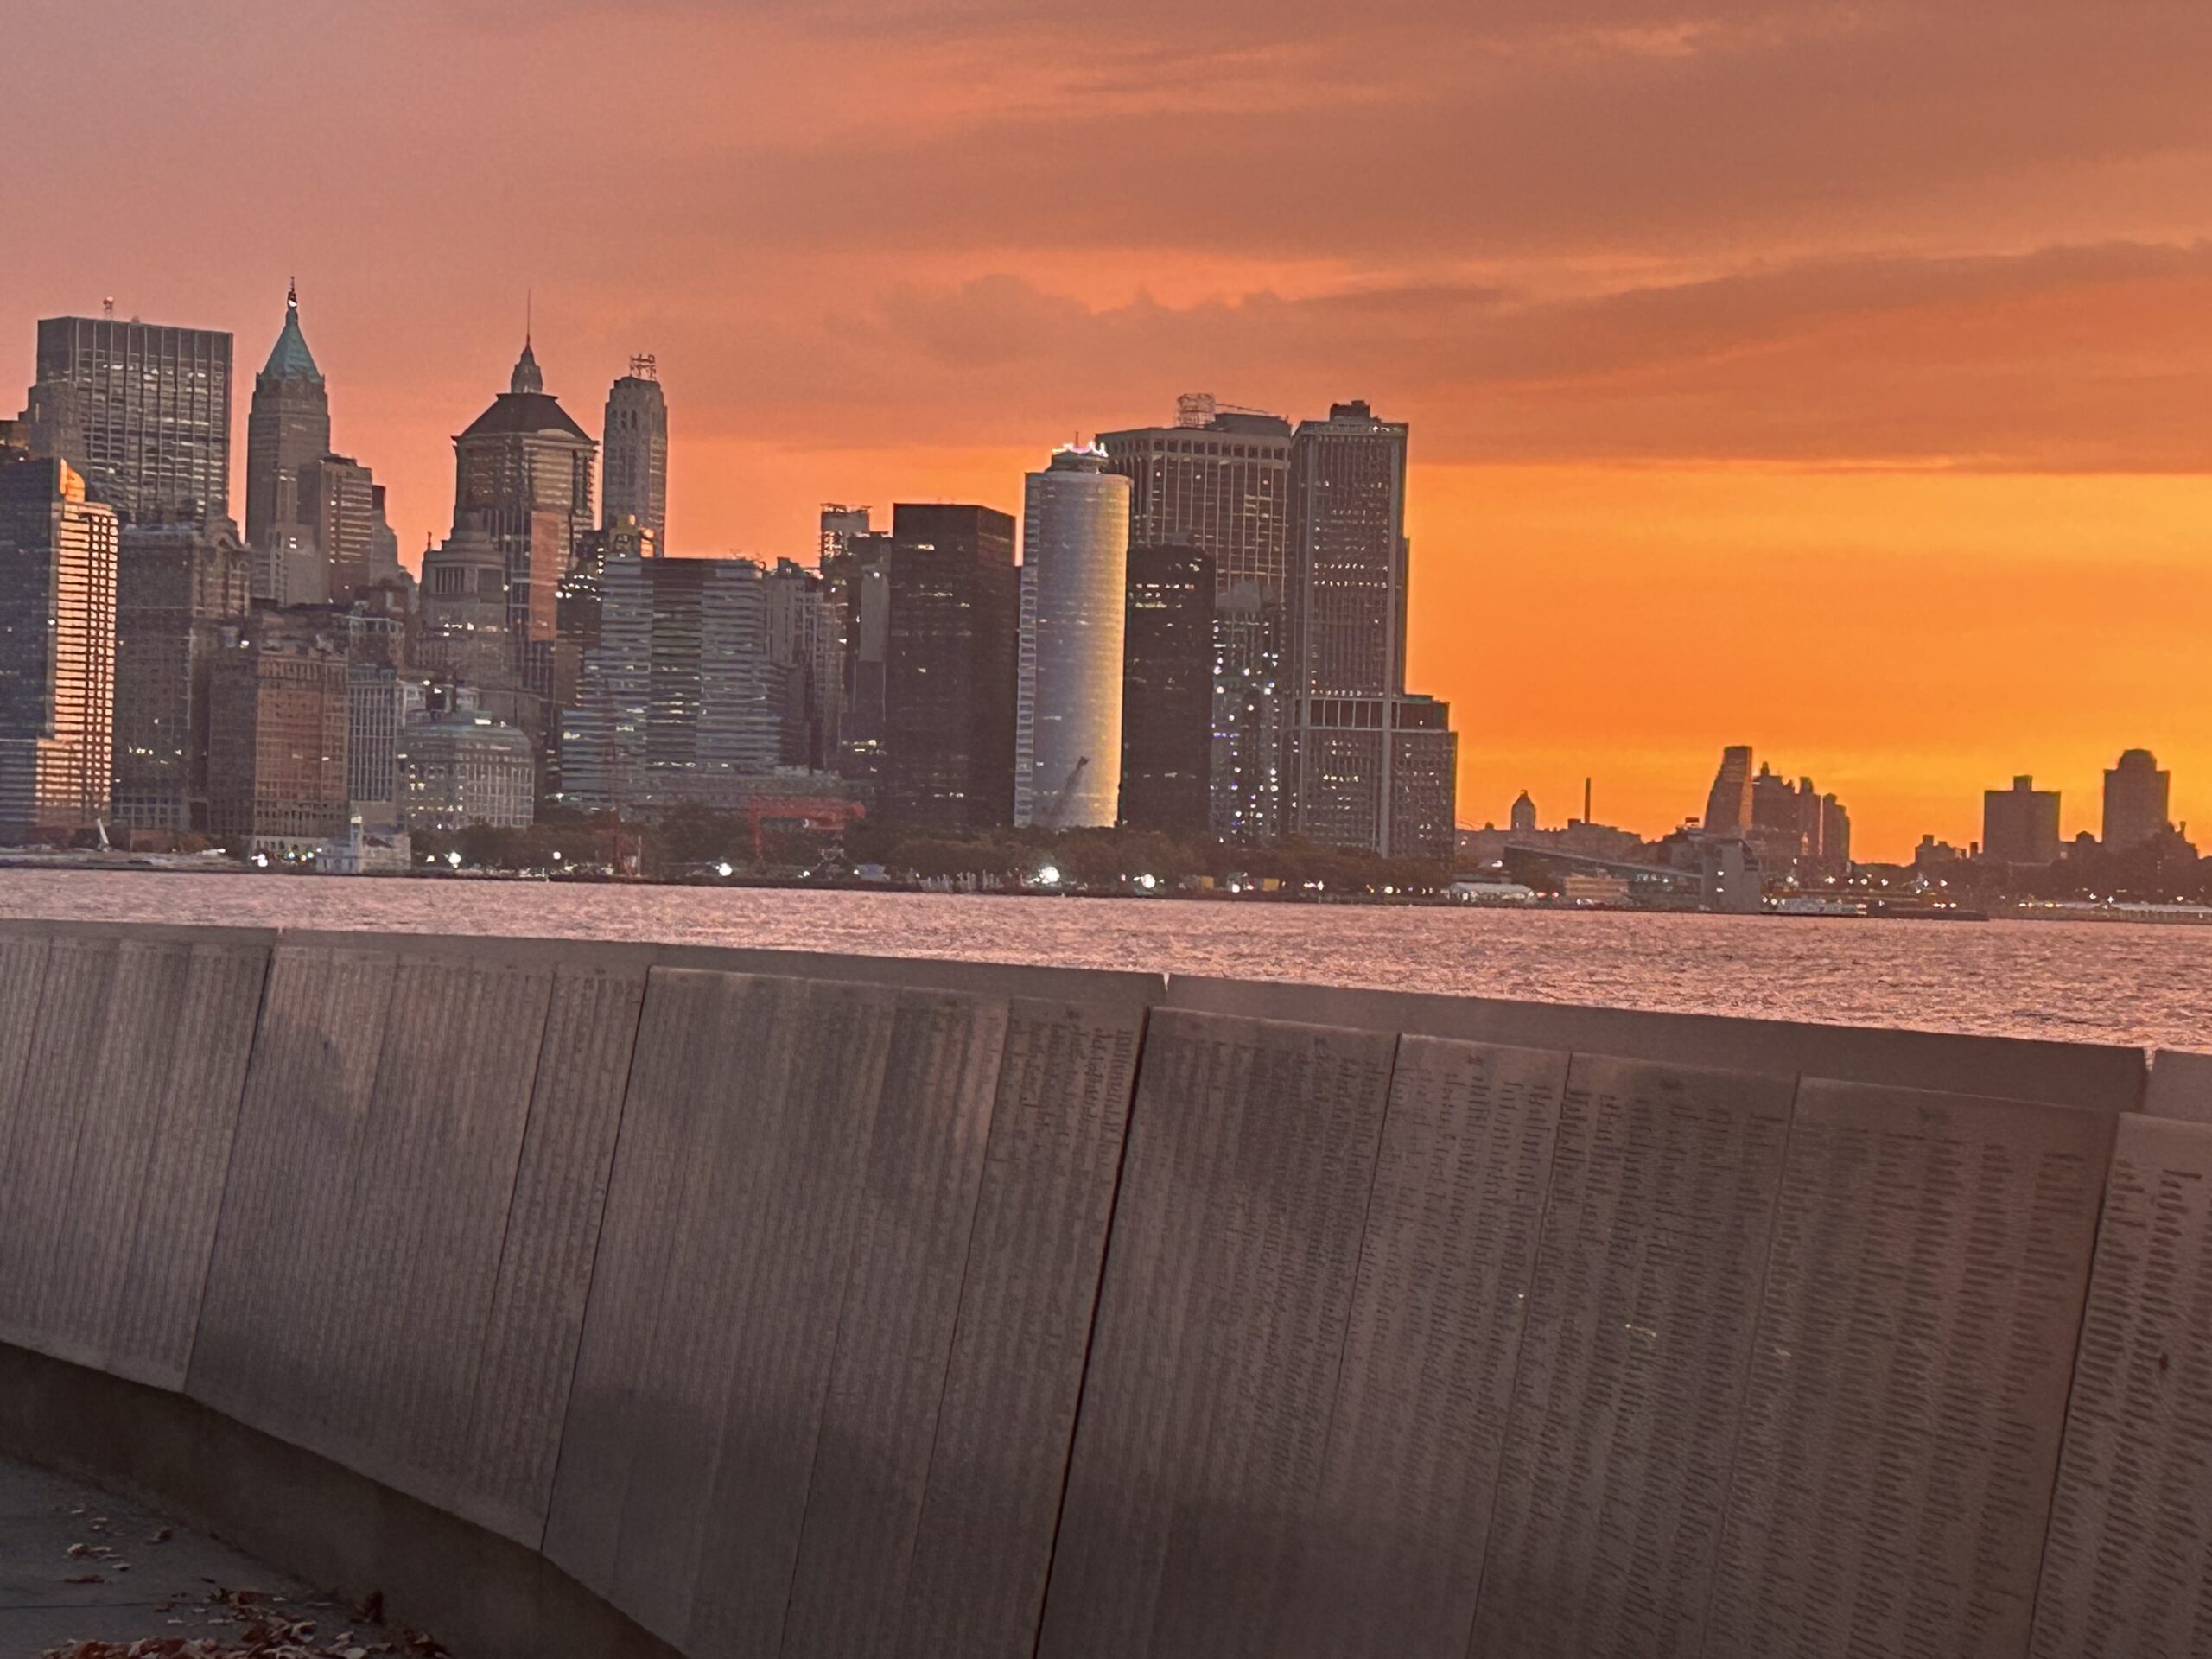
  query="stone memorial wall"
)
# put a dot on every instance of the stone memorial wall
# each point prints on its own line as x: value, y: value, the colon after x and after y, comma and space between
x: 793, y: 1305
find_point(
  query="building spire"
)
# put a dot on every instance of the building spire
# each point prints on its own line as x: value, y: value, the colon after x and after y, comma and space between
x: 291, y: 359
x: 526, y: 376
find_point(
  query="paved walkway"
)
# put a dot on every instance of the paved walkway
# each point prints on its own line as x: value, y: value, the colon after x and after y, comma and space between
x: 79, y: 1566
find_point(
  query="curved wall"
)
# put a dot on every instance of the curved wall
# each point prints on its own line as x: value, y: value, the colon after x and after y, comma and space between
x: 791, y: 1305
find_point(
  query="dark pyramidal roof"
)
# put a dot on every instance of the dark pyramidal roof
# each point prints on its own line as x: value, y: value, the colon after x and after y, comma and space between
x: 527, y: 408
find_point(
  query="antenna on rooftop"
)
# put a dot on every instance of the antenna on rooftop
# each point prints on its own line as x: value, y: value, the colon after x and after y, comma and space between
x: 645, y: 367
x: 107, y: 307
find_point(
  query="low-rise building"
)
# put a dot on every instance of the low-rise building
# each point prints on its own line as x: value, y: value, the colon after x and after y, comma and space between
x: 459, y: 766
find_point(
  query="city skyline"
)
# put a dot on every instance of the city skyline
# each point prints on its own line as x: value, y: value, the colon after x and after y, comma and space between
x: 1186, y: 508
x: 1916, y: 438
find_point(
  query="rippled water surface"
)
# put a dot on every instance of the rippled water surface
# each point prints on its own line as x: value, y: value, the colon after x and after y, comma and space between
x: 2094, y: 982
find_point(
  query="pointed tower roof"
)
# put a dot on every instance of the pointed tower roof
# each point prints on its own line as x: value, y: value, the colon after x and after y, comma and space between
x: 526, y: 376
x: 290, y: 359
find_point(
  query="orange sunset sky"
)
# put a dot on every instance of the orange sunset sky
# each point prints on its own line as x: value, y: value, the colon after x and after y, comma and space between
x: 1835, y: 378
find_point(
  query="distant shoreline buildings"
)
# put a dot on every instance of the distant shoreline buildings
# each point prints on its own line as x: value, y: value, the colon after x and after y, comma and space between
x: 1197, y: 629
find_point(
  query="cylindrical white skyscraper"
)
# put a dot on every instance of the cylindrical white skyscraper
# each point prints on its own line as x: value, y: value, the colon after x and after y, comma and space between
x: 1075, y: 569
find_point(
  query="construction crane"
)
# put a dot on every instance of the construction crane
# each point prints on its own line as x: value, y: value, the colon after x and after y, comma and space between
x: 1057, y: 808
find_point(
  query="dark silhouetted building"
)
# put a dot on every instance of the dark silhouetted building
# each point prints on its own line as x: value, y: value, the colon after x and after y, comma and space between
x: 1835, y: 834
x: 57, y: 652
x: 1219, y: 480
x: 288, y: 426
x: 2019, y: 825
x: 142, y: 413
x: 633, y: 454
x: 950, y: 669
x: 178, y: 588
x: 1367, y: 764
x: 2137, y: 800
x: 1728, y: 804
x: 857, y: 582
x: 840, y: 525
x: 1167, y: 691
x: 1792, y: 829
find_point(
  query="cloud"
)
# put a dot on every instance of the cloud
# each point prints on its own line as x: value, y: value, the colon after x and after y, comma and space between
x: 2093, y: 359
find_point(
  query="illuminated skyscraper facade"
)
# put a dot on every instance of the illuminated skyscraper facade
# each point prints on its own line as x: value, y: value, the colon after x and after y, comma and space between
x: 57, y: 652
x: 1075, y: 555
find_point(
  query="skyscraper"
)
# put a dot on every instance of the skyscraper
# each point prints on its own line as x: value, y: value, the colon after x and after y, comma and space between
x: 635, y: 452
x: 1789, y: 826
x: 1835, y: 834
x: 57, y: 652
x: 2019, y: 825
x: 464, y: 635
x: 950, y: 669
x: 342, y: 505
x: 380, y: 700
x: 177, y: 587
x: 1367, y: 764
x: 840, y: 525
x: 858, y: 594
x: 142, y: 413
x: 1728, y: 804
x: 278, y: 717
x: 1075, y: 553
x: 1167, y: 691
x: 797, y: 617
x: 1219, y: 480
x: 524, y: 478
x: 678, y: 700
x: 2137, y: 801
x: 288, y: 426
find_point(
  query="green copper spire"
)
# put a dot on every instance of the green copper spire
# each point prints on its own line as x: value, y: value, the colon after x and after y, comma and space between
x: 291, y: 360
